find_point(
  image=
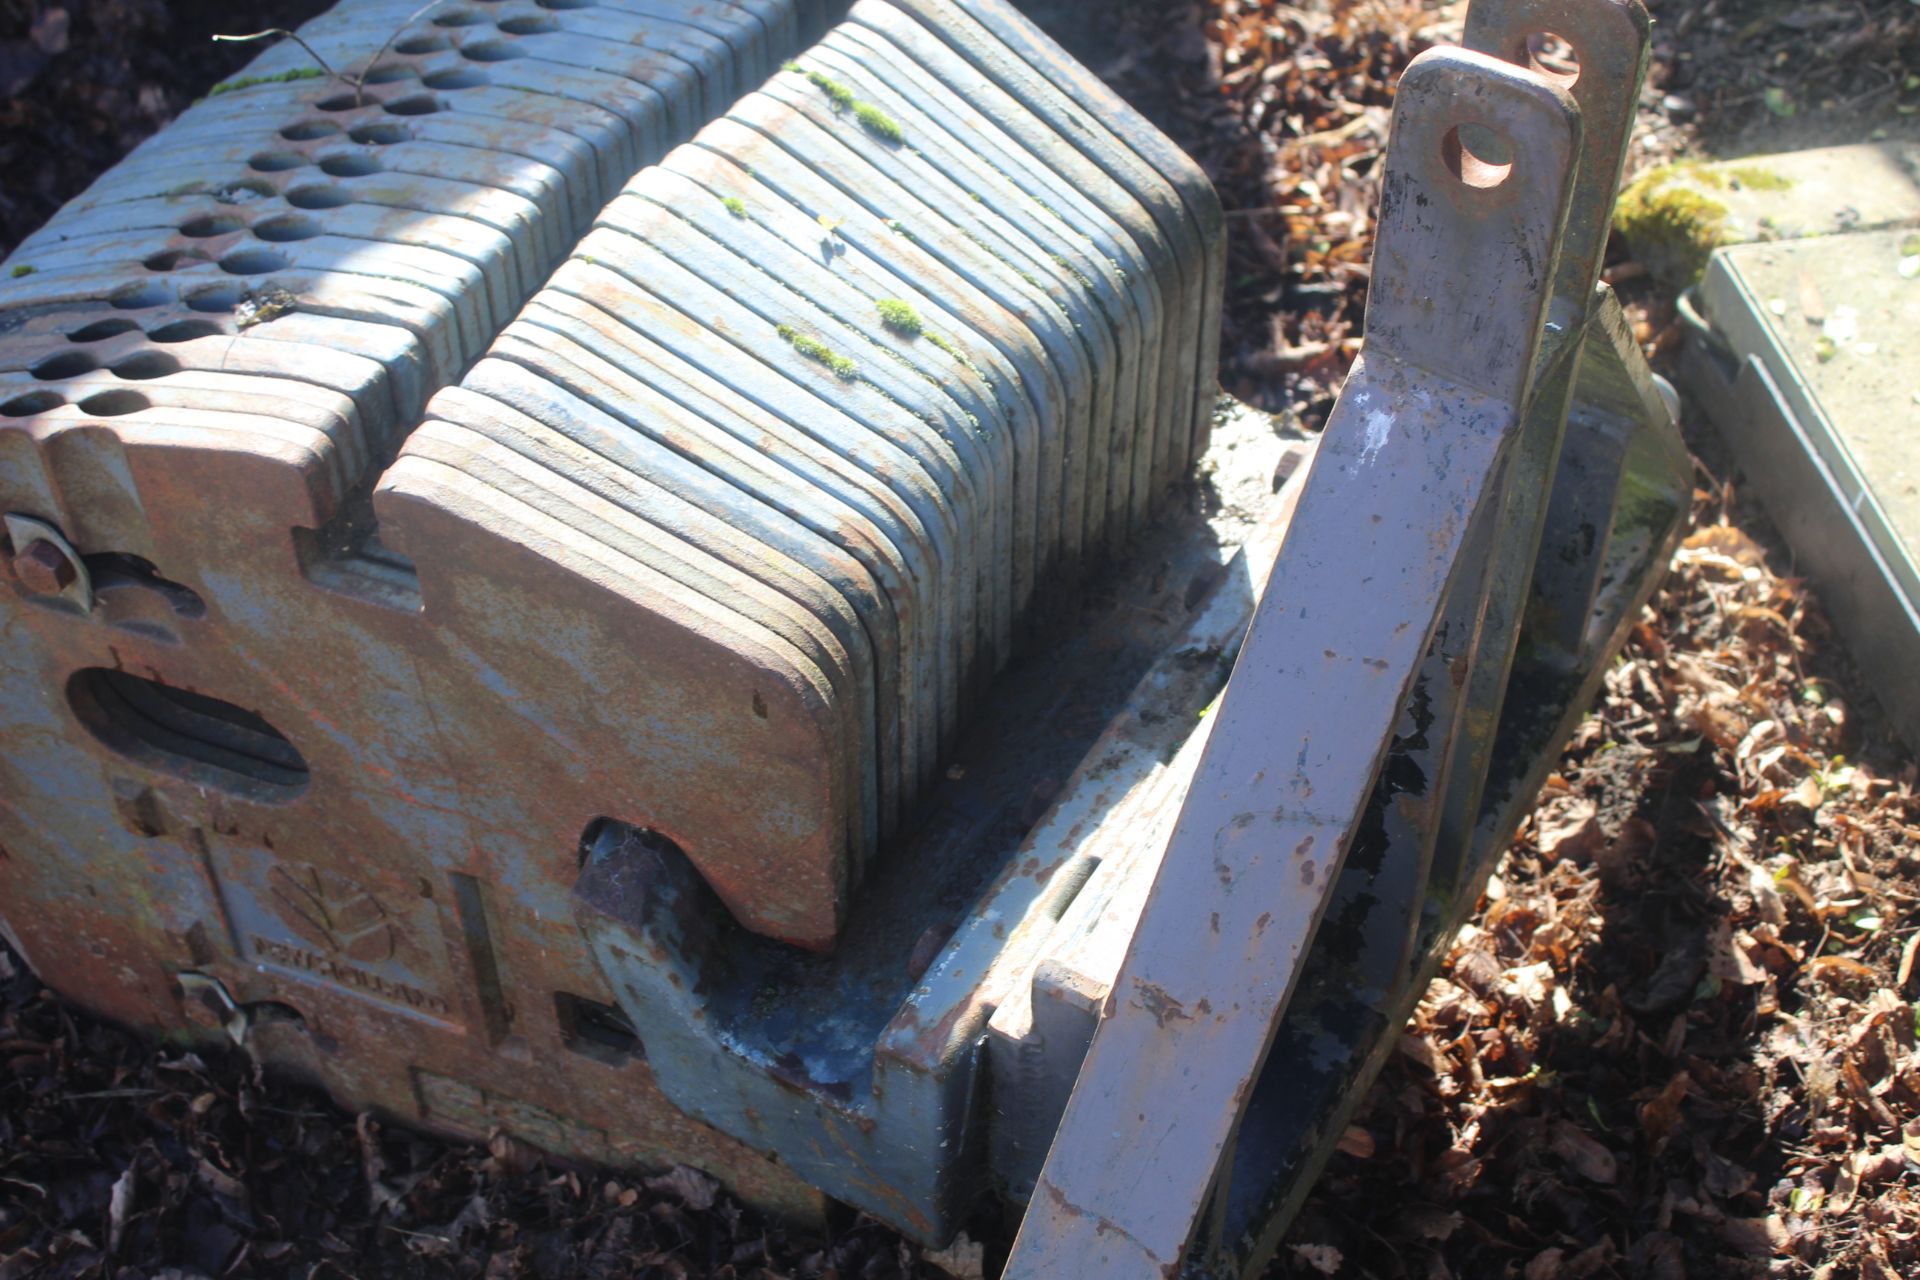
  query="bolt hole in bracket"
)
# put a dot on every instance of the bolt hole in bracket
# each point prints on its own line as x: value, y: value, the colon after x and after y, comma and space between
x: 1409, y: 478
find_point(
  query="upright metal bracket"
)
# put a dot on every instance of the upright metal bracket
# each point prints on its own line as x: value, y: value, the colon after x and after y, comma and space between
x: 1407, y: 479
x: 1564, y: 545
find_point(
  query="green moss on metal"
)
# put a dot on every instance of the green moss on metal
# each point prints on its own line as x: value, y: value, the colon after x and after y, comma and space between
x: 877, y: 122
x: 841, y: 95
x: 23, y: 270
x: 282, y: 77
x: 735, y: 206
x: 819, y: 352
x: 900, y: 317
x: 837, y: 93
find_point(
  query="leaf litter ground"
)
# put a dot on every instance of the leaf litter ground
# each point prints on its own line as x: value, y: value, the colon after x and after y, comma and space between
x: 1677, y: 1037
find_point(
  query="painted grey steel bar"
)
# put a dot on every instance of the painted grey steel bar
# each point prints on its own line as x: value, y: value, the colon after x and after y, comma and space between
x: 1463, y: 275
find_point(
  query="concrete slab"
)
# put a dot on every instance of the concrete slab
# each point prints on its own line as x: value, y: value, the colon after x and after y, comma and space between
x: 1675, y: 216
x: 1811, y: 368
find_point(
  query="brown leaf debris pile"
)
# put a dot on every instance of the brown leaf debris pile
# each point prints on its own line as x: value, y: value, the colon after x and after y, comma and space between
x: 125, y: 1159
x: 1677, y: 1039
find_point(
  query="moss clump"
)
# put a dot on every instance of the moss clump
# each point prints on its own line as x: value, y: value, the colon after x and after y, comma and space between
x: 1672, y: 228
x: 840, y: 94
x: 735, y: 206
x: 283, y: 77
x: 23, y: 270
x: 949, y: 348
x: 1754, y: 178
x: 837, y: 93
x: 819, y: 352
x: 877, y: 122
x: 900, y: 317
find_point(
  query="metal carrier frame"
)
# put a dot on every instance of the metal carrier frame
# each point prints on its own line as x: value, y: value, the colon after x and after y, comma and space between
x: 1319, y: 868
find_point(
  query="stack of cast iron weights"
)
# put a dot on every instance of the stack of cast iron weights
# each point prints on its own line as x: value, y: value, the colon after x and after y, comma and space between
x: 900, y: 342
x: 387, y: 225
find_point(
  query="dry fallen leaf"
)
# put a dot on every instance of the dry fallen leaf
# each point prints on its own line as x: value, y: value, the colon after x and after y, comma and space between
x: 1569, y: 828
x: 964, y: 1259
x: 1589, y: 1158
x: 1660, y: 1115
x: 1846, y: 1184
x: 695, y: 1189
x: 1323, y: 1258
x: 119, y: 1209
x: 1356, y: 1141
x: 1750, y: 1236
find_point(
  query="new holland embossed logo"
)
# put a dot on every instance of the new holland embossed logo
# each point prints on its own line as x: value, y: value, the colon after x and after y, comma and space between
x: 301, y: 918
x: 334, y: 913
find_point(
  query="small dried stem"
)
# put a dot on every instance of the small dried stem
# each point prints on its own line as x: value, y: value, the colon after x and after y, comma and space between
x: 270, y: 32
x: 359, y: 84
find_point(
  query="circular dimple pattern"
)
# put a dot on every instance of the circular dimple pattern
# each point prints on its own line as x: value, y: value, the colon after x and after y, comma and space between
x: 136, y: 297
x: 532, y: 24
x: 388, y: 72
x: 252, y: 262
x: 68, y: 364
x: 287, y: 227
x: 381, y: 133
x: 166, y: 260
x: 346, y: 102
x: 565, y: 4
x: 418, y: 104
x: 111, y: 404
x: 491, y: 51
x: 414, y: 46
x: 319, y: 197
x: 276, y: 161
x: 204, y: 225
x: 100, y: 330
x: 349, y: 164
x: 456, y: 78
x: 458, y: 18
x: 146, y: 364
x: 308, y: 130
x: 31, y: 403
x: 219, y: 297
x: 184, y: 331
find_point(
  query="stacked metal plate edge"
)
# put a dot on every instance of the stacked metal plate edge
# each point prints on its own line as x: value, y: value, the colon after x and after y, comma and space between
x: 891, y: 349
x: 387, y: 230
